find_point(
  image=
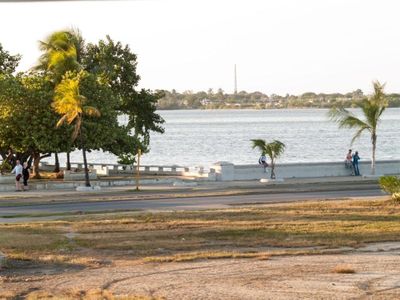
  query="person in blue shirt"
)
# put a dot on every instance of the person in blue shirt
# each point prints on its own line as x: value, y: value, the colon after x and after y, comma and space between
x: 356, y: 158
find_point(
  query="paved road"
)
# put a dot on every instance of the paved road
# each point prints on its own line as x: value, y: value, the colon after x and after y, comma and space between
x: 188, y: 203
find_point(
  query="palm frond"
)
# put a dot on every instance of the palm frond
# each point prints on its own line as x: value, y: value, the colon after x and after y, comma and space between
x: 358, y: 134
x: 62, y: 121
x: 345, y: 119
x: 274, y: 149
x: 259, y: 144
x: 277, y: 148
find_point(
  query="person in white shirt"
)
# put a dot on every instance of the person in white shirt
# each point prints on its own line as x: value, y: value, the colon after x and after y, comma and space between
x: 18, y: 175
x: 263, y: 162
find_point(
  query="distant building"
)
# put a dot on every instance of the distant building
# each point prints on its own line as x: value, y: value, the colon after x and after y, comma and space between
x: 205, y: 101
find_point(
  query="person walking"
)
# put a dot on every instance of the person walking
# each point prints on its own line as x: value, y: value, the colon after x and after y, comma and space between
x: 18, y: 174
x: 25, y: 176
x: 356, y: 158
x: 349, y: 162
x: 263, y: 161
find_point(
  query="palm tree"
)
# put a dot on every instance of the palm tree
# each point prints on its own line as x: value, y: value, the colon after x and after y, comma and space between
x: 62, y: 52
x: 372, y: 109
x: 70, y: 104
x: 274, y: 150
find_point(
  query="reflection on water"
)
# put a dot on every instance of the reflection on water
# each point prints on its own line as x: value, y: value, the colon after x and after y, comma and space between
x: 202, y: 137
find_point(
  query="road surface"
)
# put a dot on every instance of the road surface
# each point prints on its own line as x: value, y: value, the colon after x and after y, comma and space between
x: 26, y: 212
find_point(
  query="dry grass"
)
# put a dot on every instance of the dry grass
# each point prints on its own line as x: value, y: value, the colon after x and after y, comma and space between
x: 343, y: 269
x: 7, y: 295
x: 187, y: 235
x: 207, y: 255
x: 94, y: 294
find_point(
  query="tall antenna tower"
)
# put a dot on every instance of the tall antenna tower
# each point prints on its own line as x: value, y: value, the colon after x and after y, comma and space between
x: 235, y: 91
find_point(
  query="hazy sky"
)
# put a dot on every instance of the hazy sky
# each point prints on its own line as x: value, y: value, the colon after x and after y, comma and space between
x: 285, y: 46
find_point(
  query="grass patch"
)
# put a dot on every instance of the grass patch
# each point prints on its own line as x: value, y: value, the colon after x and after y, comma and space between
x: 224, y: 233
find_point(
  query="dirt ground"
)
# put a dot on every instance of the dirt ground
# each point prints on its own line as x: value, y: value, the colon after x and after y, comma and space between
x: 376, y: 276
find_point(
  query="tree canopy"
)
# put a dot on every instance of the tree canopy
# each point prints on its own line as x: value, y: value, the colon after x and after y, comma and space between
x: 29, y: 111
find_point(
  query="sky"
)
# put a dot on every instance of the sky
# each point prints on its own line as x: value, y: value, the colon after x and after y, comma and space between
x: 285, y: 46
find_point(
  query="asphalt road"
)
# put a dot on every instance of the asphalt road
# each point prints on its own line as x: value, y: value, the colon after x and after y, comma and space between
x: 23, y: 213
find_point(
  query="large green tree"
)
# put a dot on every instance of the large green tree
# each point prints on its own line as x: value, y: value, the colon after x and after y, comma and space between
x: 109, y: 85
x: 372, y: 110
x: 8, y: 65
x: 116, y: 64
x: 27, y: 119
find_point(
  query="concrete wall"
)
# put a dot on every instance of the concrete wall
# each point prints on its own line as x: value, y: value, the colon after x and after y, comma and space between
x: 7, y: 178
x: 71, y: 175
x: 225, y: 171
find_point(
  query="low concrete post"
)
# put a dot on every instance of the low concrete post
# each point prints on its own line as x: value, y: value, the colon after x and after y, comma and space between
x: 224, y: 171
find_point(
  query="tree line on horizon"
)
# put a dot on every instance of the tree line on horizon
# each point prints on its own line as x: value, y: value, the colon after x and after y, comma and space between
x: 221, y: 100
x: 71, y: 99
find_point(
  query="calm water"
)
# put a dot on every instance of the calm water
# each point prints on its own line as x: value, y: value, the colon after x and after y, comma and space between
x: 202, y: 137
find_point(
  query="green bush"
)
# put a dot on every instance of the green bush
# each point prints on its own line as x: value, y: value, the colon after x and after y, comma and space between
x: 5, y: 167
x: 391, y: 185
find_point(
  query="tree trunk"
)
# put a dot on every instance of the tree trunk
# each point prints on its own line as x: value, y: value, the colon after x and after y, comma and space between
x: 68, y: 162
x: 87, y: 182
x: 35, y: 169
x: 374, y: 137
x: 272, y: 169
x: 56, y: 163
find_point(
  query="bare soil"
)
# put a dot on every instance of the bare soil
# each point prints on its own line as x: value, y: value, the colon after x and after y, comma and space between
x: 376, y: 276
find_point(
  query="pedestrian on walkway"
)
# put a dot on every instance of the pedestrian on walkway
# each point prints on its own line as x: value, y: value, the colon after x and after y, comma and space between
x: 25, y: 175
x: 348, y: 163
x: 263, y: 162
x: 356, y: 158
x: 18, y: 174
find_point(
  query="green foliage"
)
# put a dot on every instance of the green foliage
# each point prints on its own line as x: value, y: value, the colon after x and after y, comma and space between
x: 8, y: 62
x: 70, y: 103
x: 91, y: 86
x: 5, y: 167
x: 391, y: 185
x: 127, y: 159
x: 116, y: 65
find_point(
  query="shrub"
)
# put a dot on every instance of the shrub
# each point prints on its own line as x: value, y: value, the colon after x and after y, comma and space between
x: 5, y: 167
x: 391, y: 185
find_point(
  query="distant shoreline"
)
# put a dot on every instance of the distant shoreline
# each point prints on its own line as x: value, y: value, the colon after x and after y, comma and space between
x: 255, y: 108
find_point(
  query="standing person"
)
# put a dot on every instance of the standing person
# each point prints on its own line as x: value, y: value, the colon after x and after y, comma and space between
x: 356, y: 158
x: 263, y: 161
x: 18, y: 174
x: 25, y: 176
x: 349, y: 161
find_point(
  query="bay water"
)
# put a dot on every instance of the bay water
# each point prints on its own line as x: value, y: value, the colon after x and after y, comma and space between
x: 203, y: 137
